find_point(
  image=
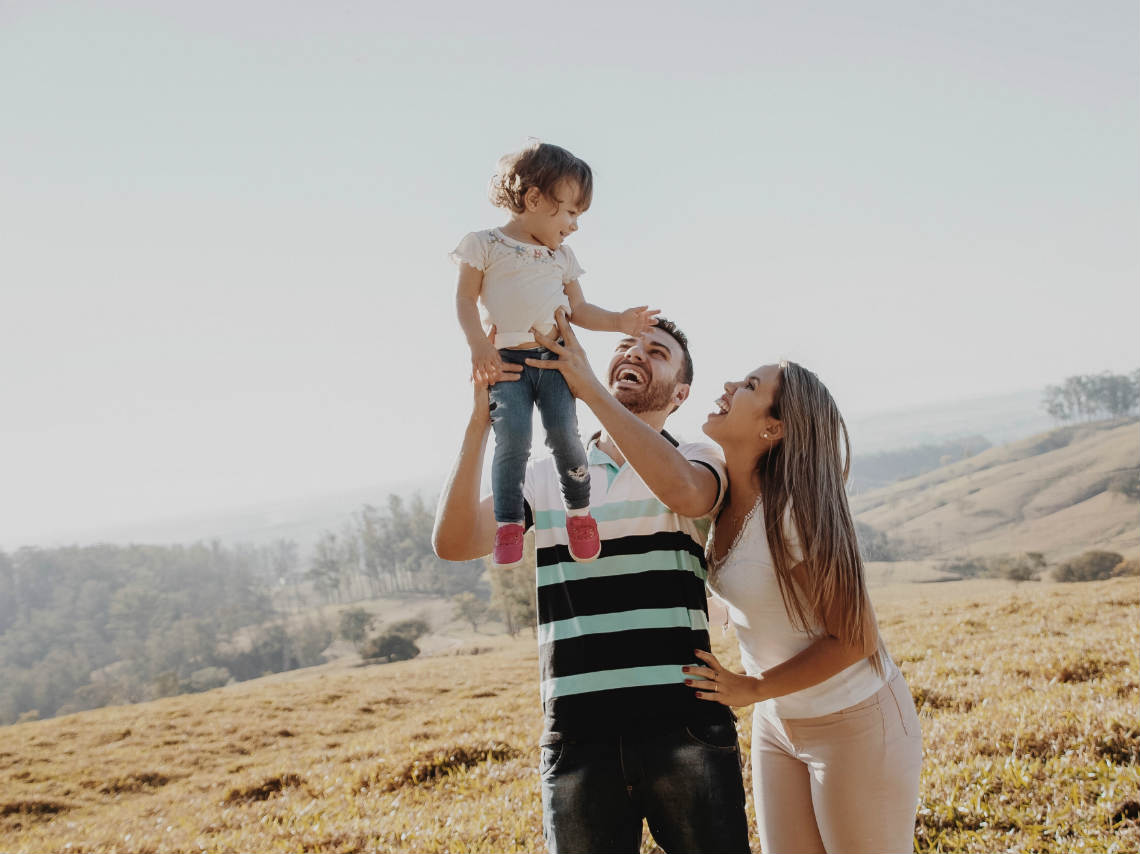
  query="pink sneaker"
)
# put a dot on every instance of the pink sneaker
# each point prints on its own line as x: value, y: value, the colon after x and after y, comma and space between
x: 585, y: 544
x: 508, y: 546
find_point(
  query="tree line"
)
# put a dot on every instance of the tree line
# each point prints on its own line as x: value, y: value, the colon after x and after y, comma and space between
x: 378, y: 553
x: 84, y: 627
x: 1088, y: 397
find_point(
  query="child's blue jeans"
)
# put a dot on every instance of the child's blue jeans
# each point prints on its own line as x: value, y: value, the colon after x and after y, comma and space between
x: 512, y: 405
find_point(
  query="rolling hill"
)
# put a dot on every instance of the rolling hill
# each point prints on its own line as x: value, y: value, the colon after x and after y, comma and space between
x: 1059, y: 493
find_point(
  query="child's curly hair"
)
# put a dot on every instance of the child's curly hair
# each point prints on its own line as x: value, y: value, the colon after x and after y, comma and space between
x: 540, y: 165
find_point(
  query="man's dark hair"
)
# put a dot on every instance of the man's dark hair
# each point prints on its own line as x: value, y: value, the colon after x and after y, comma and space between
x: 685, y: 375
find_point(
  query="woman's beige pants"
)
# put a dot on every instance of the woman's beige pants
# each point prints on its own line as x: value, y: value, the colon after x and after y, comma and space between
x: 845, y: 782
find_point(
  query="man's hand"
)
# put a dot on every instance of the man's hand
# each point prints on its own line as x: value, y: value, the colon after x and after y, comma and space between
x: 571, y: 363
x: 636, y: 321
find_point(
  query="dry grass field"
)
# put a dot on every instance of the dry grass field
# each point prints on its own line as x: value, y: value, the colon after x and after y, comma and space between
x: 1028, y: 696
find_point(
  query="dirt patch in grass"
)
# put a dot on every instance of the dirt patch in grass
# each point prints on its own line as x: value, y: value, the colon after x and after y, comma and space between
x: 434, y: 764
x: 14, y: 814
x: 1129, y: 811
x: 1120, y: 744
x: 936, y: 701
x: 264, y: 790
x: 1086, y: 669
x: 33, y: 807
x: 136, y: 782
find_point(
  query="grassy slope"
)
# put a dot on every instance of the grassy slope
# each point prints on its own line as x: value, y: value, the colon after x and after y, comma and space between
x: 1032, y: 495
x: 1028, y: 698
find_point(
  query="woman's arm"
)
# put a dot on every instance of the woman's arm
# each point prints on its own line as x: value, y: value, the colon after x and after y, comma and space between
x: 812, y: 665
x: 633, y: 321
x: 815, y: 663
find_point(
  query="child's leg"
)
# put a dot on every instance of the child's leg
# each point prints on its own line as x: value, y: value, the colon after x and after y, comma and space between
x: 557, y: 406
x: 512, y: 408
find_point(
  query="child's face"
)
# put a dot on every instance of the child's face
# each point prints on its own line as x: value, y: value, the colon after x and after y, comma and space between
x: 551, y: 221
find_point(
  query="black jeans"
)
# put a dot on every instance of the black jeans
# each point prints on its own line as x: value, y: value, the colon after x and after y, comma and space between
x: 685, y: 783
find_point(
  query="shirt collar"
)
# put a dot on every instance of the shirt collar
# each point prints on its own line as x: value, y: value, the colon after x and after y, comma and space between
x: 595, y: 456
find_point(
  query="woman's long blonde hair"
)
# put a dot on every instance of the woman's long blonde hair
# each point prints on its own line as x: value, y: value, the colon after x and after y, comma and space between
x: 809, y: 468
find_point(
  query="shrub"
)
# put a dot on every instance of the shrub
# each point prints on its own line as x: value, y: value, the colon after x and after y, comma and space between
x: 1126, y: 568
x: 1126, y: 482
x: 207, y: 678
x: 1090, y: 566
x: 1024, y: 567
x: 389, y: 647
x: 965, y: 567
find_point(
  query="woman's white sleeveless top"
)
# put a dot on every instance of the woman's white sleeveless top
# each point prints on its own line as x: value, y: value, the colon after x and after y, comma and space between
x: 746, y: 580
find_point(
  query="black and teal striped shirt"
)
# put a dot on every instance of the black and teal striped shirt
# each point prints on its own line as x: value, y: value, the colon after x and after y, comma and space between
x: 614, y: 634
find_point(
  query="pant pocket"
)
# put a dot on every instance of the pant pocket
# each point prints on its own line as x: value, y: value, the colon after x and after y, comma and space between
x: 904, y: 705
x: 551, y: 757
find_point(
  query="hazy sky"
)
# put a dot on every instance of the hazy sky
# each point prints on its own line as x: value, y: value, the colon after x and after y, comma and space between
x: 224, y: 226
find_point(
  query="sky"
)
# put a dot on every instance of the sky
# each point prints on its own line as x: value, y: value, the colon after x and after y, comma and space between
x: 224, y: 226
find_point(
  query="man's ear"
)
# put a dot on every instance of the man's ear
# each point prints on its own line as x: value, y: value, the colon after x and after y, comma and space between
x: 680, y: 394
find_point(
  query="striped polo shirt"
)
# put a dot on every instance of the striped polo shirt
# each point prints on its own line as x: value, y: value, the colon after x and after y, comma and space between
x: 614, y: 634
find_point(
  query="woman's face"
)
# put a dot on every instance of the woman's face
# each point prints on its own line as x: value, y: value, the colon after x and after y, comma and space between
x: 742, y: 413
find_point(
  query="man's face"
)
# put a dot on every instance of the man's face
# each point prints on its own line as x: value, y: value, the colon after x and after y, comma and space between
x: 643, y: 372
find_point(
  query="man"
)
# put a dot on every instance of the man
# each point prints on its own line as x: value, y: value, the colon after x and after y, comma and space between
x: 625, y: 740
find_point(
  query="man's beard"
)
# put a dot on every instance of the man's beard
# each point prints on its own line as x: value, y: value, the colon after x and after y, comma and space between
x: 655, y: 397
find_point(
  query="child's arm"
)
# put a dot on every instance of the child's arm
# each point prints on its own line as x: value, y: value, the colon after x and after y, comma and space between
x: 485, y: 361
x: 633, y: 321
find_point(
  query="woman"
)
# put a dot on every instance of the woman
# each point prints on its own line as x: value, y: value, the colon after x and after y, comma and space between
x: 836, y: 746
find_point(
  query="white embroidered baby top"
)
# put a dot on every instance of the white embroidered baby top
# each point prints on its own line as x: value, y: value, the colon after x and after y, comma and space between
x: 522, y: 283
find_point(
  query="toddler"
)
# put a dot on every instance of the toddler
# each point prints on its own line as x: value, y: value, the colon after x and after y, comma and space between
x: 513, y: 278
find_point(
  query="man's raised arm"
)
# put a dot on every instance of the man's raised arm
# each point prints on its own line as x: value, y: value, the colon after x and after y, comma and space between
x: 464, y: 524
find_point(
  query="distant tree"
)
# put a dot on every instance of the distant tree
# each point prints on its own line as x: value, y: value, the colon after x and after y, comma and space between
x: 1091, y: 566
x: 873, y: 544
x: 355, y: 623
x: 471, y: 608
x: 513, y: 593
x: 374, y: 553
x: 325, y: 565
x: 1057, y: 405
x: 1116, y: 394
x: 1088, y: 396
x: 283, y: 558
